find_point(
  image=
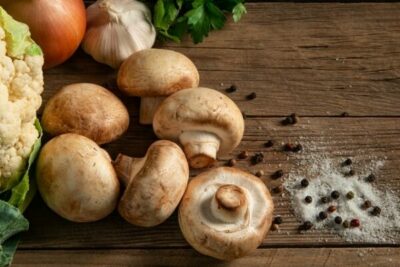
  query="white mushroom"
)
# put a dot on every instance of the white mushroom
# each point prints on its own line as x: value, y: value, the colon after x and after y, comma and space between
x: 154, y: 184
x: 76, y: 179
x: 86, y: 109
x: 205, y: 122
x: 154, y: 74
x: 225, y: 213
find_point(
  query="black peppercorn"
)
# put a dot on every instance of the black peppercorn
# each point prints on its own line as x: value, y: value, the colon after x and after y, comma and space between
x: 297, y: 148
x: 307, y: 225
x: 308, y: 199
x: 338, y: 220
x: 347, y: 162
x: 350, y: 195
x: 278, y: 220
x: 366, y: 205
x: 323, y: 215
x: 295, y: 118
x: 304, y: 183
x: 251, y: 96
x: 346, y: 224
x: 288, y: 147
x: 231, y: 162
x: 370, y: 178
x: 257, y: 158
x: 231, y: 89
x: 243, y: 155
x: 335, y: 194
x: 350, y: 173
x: 376, y: 211
x: 324, y: 200
x: 287, y: 121
x: 269, y: 143
x: 276, y: 175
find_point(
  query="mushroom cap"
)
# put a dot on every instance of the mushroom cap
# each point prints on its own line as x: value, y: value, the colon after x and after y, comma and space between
x: 86, y: 109
x: 154, y: 192
x: 156, y: 72
x: 216, y: 236
x: 204, y: 110
x: 76, y: 179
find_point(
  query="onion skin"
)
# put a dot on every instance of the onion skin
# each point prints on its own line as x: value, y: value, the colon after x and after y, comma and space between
x: 57, y: 26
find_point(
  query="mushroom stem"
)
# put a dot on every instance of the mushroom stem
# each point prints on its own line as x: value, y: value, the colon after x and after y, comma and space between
x: 127, y: 167
x: 148, y: 107
x: 229, y: 203
x: 200, y: 148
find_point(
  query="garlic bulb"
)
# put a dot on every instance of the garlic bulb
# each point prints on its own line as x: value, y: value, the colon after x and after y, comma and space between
x: 116, y: 29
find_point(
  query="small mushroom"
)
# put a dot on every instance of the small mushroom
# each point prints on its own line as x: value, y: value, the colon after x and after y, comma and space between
x: 225, y: 213
x: 154, y: 184
x: 204, y: 121
x: 86, y: 109
x: 76, y: 179
x: 154, y: 74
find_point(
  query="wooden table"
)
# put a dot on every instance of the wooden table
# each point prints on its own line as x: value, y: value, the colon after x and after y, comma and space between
x: 316, y: 59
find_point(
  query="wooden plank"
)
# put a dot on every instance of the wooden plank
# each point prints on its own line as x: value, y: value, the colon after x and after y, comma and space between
x: 338, y: 138
x: 279, y: 257
x: 315, y: 59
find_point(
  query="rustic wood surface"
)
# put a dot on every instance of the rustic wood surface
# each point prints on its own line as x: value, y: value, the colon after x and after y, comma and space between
x: 318, y: 60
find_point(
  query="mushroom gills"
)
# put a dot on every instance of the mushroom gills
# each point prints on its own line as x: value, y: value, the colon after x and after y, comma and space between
x: 148, y: 107
x: 127, y: 167
x: 200, y: 148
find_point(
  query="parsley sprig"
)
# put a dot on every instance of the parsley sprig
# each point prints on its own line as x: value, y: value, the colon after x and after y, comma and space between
x: 173, y: 18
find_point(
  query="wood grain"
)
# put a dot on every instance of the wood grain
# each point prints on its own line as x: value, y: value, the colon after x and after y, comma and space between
x: 279, y: 257
x: 362, y: 139
x: 315, y: 59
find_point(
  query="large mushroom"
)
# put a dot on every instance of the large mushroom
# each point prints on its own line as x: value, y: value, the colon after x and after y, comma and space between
x: 154, y: 184
x: 154, y: 74
x: 86, y: 109
x: 225, y: 213
x: 76, y: 179
x: 204, y: 121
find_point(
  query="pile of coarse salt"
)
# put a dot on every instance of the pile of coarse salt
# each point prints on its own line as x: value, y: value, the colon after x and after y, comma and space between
x: 324, y: 176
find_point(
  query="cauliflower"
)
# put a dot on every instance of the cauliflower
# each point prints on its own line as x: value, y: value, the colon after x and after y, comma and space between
x: 21, y: 83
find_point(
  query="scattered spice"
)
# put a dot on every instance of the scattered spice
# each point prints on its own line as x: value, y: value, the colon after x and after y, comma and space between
x: 274, y: 227
x: 278, y: 189
x: 338, y: 220
x: 276, y: 175
x: 251, y: 96
x: 355, y: 223
x: 346, y: 224
x: 304, y: 182
x: 335, y: 194
x: 291, y: 119
x: 366, y: 205
x: 376, y: 211
x: 308, y: 199
x: 231, y: 162
x: 350, y: 195
x: 347, y: 162
x: 332, y: 209
x: 231, y: 89
x: 269, y: 143
x: 345, y: 114
x: 259, y: 173
x: 350, y: 173
x: 307, y: 225
x: 278, y: 220
x: 295, y: 118
x: 370, y: 178
x: 324, y: 200
x: 288, y: 147
x: 243, y: 155
x: 323, y: 215
x: 298, y: 148
x: 257, y: 158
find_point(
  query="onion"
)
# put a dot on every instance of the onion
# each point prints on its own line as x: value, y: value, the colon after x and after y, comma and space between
x: 58, y: 26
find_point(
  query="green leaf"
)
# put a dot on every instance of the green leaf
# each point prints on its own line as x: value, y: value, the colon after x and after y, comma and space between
x: 19, y: 192
x: 18, y: 37
x: 159, y: 13
x: 217, y: 17
x: 238, y: 11
x: 11, y: 222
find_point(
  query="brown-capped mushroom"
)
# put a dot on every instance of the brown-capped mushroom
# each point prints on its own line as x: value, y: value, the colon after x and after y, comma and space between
x: 204, y: 121
x: 86, y: 109
x: 154, y: 184
x: 225, y: 213
x: 154, y: 74
x: 76, y: 179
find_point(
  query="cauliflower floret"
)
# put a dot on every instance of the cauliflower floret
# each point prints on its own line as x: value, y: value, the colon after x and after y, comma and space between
x: 21, y: 83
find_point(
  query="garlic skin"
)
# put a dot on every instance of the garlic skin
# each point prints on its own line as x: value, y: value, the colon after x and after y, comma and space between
x: 116, y: 29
